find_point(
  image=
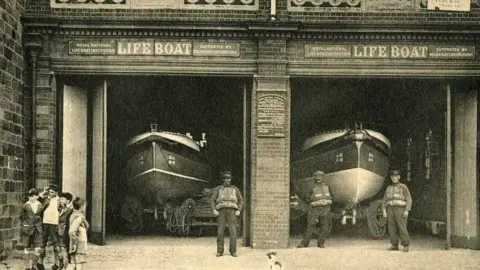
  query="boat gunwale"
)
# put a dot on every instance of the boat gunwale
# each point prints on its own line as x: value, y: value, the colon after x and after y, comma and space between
x: 183, y: 176
x: 172, y: 136
x: 337, y: 134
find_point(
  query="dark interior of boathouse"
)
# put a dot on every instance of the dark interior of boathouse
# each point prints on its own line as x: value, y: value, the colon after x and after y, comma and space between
x: 401, y: 108
x: 194, y: 105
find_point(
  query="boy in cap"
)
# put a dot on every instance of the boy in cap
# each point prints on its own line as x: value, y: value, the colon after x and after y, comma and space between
x: 31, y: 228
x: 397, y: 202
x: 227, y: 203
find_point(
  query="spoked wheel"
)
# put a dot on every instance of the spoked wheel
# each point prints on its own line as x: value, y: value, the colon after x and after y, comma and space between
x: 186, y: 228
x: 375, y: 220
x: 132, y: 213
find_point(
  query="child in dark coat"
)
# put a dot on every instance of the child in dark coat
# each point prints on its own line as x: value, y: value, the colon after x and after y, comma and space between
x: 31, y: 228
x: 66, y: 209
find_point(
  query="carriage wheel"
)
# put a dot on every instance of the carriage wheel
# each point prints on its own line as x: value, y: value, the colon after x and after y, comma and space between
x: 375, y: 220
x: 186, y: 228
x: 132, y: 213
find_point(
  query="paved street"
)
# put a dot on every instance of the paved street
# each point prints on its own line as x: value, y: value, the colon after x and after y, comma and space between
x: 342, y: 252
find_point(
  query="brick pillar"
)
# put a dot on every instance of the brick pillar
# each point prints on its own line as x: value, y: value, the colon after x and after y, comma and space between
x: 46, y: 109
x: 11, y: 128
x: 270, y: 148
x: 42, y: 136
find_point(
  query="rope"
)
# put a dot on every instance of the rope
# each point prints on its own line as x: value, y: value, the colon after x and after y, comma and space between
x: 203, y: 208
x: 171, y: 221
x: 132, y: 213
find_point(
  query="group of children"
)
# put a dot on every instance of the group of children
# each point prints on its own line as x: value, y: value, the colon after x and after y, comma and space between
x: 50, y: 217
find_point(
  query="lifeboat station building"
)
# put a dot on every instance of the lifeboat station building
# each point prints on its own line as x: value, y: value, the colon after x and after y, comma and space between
x: 79, y: 78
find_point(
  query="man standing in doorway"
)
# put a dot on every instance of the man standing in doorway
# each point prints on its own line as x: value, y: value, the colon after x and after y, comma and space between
x: 397, y: 203
x: 320, y: 201
x: 227, y: 203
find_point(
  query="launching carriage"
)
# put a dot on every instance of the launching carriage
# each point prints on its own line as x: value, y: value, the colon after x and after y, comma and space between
x: 168, y: 182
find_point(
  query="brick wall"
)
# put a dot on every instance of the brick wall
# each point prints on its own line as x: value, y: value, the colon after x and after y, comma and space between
x: 11, y: 129
x: 41, y: 8
x: 336, y: 16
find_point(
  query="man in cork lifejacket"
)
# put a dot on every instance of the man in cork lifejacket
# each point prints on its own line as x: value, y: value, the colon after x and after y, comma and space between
x: 397, y: 202
x: 320, y: 201
x: 227, y: 203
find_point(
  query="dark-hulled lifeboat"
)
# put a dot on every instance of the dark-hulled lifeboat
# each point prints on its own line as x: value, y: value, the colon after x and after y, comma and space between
x: 162, y: 169
x: 355, y: 162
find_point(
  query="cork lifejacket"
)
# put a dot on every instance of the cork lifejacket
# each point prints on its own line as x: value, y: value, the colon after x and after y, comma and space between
x: 395, y: 196
x: 320, y: 195
x: 227, y: 198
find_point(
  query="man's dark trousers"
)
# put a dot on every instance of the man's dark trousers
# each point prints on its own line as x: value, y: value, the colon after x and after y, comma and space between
x: 227, y: 215
x: 322, y: 214
x: 397, y: 225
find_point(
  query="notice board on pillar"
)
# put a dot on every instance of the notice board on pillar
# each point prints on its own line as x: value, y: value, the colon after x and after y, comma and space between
x: 271, y: 113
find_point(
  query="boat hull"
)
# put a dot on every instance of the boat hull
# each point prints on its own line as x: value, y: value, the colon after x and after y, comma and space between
x: 158, y: 175
x: 355, y: 170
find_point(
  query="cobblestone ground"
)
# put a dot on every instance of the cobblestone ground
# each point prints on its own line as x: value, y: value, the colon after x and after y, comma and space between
x: 342, y: 252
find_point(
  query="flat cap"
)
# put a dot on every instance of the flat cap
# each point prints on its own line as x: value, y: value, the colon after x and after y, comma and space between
x: 225, y: 174
x: 394, y: 172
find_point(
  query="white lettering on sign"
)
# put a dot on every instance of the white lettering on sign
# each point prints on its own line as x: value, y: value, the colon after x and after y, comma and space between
x: 370, y: 51
x: 135, y: 48
x: 216, y: 49
x: 92, y: 47
x: 409, y: 51
x: 173, y: 48
x: 390, y: 51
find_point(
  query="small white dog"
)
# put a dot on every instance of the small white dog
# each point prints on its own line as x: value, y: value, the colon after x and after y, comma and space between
x: 273, y: 263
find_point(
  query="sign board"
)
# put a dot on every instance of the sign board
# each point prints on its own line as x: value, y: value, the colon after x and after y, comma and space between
x: 377, y: 51
x: 328, y: 51
x: 450, y: 5
x: 271, y: 113
x: 216, y: 49
x: 154, y: 47
x: 94, y: 47
x: 449, y: 52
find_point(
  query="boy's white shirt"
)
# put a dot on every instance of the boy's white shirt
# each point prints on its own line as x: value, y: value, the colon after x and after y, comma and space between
x: 34, y: 205
x: 50, y: 215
